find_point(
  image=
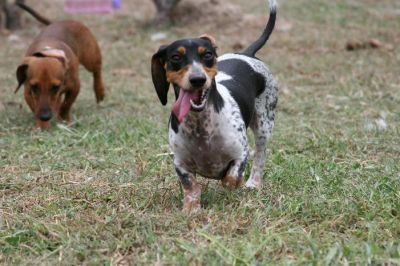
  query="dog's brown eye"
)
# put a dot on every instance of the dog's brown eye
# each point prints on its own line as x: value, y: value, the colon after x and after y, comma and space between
x: 55, y: 89
x: 35, y: 88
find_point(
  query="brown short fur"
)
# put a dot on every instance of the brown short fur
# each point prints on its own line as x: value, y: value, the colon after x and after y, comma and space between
x: 211, y: 71
x: 176, y: 76
x: 53, y: 60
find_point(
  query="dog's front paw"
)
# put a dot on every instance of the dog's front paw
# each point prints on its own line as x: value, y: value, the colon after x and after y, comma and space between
x: 254, y: 183
x: 65, y: 117
x: 191, y: 207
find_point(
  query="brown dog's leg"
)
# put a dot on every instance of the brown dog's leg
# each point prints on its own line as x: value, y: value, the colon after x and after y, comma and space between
x: 98, y: 83
x: 92, y: 62
x: 95, y: 68
x: 69, y: 98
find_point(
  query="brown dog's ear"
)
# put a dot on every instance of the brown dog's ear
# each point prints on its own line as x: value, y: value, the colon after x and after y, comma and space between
x: 22, y: 73
x: 55, y: 53
x: 210, y: 39
x: 159, y: 75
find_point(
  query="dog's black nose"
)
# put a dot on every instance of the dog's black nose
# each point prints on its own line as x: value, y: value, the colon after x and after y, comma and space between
x: 45, y: 114
x: 197, y: 80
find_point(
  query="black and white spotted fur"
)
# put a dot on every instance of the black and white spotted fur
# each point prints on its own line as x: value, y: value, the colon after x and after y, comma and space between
x: 213, y: 142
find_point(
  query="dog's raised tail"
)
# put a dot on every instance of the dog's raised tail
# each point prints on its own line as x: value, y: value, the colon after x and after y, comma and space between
x: 260, y: 42
x: 35, y: 14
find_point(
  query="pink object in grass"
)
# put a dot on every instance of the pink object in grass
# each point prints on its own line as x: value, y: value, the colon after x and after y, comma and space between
x: 88, y: 6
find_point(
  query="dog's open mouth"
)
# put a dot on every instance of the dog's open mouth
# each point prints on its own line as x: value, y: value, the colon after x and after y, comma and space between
x: 189, y: 100
x: 199, y: 104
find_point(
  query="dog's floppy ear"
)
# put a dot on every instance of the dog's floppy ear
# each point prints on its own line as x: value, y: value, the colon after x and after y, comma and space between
x: 210, y: 39
x: 54, y: 53
x: 159, y: 75
x: 22, y: 73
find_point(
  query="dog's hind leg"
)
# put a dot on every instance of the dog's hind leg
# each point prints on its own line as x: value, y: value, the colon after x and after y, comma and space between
x: 95, y: 67
x: 234, y: 176
x: 262, y: 124
x: 98, y: 83
x: 90, y: 57
x: 92, y: 61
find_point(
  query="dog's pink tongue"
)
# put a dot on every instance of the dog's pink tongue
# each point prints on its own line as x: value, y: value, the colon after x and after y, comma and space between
x: 181, y: 107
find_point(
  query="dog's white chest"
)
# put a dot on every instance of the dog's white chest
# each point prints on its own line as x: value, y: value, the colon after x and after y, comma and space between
x: 208, y: 141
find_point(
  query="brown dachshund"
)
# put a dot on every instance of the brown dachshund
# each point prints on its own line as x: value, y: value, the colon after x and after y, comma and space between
x: 50, y: 69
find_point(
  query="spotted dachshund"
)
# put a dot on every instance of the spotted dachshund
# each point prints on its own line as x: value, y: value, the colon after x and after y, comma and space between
x: 217, y: 99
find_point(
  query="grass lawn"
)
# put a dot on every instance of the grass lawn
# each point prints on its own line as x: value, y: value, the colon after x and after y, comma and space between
x: 103, y: 190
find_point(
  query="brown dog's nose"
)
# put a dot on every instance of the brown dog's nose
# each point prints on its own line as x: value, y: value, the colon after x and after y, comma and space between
x: 197, y: 80
x: 45, y: 114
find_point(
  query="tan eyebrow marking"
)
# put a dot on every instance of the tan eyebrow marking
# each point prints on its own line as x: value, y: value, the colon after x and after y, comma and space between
x: 201, y: 50
x: 182, y: 50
